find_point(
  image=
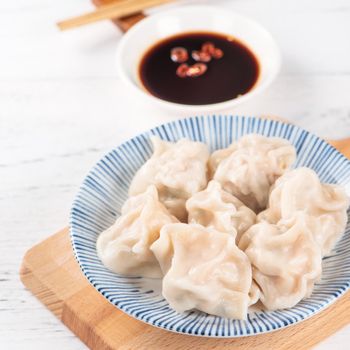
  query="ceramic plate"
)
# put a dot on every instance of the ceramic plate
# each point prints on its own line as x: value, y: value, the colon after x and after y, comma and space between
x: 104, y: 190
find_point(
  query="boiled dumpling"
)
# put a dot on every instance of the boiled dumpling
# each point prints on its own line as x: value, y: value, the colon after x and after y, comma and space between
x: 249, y: 167
x: 214, y: 207
x: 124, y: 247
x: 286, y: 261
x: 178, y: 170
x: 301, y: 190
x: 203, y: 269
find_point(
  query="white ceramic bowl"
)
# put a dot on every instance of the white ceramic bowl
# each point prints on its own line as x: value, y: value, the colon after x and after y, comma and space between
x: 197, y: 18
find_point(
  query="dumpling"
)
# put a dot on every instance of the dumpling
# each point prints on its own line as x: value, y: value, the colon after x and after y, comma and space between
x: 203, y: 269
x: 286, y: 261
x: 214, y: 207
x: 178, y: 170
x: 249, y: 167
x: 125, y: 247
x: 301, y: 190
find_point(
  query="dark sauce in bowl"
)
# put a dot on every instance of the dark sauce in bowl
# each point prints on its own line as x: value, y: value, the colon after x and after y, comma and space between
x: 232, y: 75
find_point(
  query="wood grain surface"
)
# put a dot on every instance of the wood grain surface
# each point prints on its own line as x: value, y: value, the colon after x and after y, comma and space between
x: 51, y: 272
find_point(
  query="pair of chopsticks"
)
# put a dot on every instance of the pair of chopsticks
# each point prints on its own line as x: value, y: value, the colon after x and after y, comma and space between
x: 112, y: 11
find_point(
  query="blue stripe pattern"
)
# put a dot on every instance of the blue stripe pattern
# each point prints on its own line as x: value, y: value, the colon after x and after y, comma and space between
x: 104, y: 191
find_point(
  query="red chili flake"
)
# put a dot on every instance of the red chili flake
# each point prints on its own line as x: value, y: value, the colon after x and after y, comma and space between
x: 208, y: 47
x: 179, y: 54
x: 201, y: 56
x: 196, y: 70
x: 182, y: 70
x: 218, y: 53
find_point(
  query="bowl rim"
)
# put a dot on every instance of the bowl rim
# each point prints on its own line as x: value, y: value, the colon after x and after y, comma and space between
x: 80, y: 258
x: 255, y: 90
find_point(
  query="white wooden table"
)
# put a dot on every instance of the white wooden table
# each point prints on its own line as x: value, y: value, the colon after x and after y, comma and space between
x: 62, y: 107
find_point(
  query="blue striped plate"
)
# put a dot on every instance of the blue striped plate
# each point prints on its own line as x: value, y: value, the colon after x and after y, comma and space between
x: 105, y: 189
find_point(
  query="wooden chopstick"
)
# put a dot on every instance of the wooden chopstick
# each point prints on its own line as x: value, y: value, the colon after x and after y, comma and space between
x: 117, y: 10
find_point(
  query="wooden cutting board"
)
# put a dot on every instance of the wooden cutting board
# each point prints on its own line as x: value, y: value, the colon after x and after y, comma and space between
x: 50, y: 271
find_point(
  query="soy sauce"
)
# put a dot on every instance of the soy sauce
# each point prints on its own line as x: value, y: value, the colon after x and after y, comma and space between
x: 226, y: 78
